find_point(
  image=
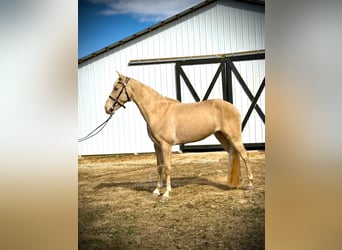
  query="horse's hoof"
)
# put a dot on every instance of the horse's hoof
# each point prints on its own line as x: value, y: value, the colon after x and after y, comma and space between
x: 164, y: 199
x: 249, y: 187
x: 156, y: 192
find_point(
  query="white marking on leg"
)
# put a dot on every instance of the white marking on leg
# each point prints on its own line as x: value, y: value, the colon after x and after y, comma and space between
x: 168, y: 178
x: 156, y: 192
x: 159, y: 174
x: 165, y: 196
x: 166, y: 152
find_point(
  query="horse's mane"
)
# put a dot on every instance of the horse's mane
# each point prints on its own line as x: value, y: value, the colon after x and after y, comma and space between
x: 172, y: 100
x: 155, y: 93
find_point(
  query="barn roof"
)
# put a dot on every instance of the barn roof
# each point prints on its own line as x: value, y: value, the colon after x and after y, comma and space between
x: 156, y: 26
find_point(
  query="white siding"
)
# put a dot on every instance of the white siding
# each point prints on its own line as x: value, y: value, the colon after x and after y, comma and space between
x: 220, y: 27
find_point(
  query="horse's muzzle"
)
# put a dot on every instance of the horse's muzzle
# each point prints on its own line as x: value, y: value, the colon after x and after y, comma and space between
x: 110, y: 110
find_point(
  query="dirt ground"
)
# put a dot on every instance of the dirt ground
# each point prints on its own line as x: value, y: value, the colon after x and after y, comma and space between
x: 118, y: 211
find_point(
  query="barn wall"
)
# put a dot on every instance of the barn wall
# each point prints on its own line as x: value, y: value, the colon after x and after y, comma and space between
x: 220, y: 27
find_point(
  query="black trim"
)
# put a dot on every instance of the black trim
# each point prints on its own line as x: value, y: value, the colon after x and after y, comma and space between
x: 245, y: 88
x: 178, y: 83
x: 218, y: 147
x: 212, y: 84
x: 188, y: 84
x: 253, y: 104
x: 228, y: 83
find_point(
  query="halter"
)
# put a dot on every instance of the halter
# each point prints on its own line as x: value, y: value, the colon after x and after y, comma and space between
x: 116, y: 100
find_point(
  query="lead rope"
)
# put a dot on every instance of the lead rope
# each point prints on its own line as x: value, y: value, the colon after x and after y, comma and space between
x: 100, y: 127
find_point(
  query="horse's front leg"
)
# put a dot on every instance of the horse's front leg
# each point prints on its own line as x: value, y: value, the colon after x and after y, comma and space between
x: 160, y: 164
x: 166, y: 155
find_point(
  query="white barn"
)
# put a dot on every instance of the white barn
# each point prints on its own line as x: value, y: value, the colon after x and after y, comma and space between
x: 222, y: 30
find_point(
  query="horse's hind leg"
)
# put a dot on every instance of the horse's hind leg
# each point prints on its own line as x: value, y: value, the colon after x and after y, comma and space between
x: 234, y: 176
x: 223, y: 140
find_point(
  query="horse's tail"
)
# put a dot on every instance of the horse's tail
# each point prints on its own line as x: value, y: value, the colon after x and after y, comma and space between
x: 234, y: 176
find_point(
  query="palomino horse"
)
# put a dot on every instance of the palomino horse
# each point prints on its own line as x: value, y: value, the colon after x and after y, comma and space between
x: 170, y: 122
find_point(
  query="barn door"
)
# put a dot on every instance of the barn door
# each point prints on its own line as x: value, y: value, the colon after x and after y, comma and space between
x: 237, y: 79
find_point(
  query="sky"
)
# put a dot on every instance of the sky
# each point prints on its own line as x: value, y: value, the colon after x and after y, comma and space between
x: 103, y: 22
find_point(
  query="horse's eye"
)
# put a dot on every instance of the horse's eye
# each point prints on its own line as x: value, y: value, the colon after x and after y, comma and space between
x: 116, y: 88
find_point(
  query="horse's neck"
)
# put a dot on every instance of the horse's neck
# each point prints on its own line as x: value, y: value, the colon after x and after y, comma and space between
x: 147, y: 99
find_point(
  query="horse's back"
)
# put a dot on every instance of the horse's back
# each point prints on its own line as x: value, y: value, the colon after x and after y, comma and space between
x: 206, y: 109
x: 214, y: 105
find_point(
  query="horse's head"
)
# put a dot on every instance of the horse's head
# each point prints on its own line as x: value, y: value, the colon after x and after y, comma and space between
x: 119, y: 95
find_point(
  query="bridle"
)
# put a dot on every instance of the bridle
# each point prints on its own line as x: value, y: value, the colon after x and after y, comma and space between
x: 116, y: 100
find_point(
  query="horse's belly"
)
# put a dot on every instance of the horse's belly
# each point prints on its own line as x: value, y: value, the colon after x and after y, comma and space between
x: 186, y: 133
x: 194, y: 122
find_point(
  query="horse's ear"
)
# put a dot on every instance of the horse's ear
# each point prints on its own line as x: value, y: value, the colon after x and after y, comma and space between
x: 121, y: 76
